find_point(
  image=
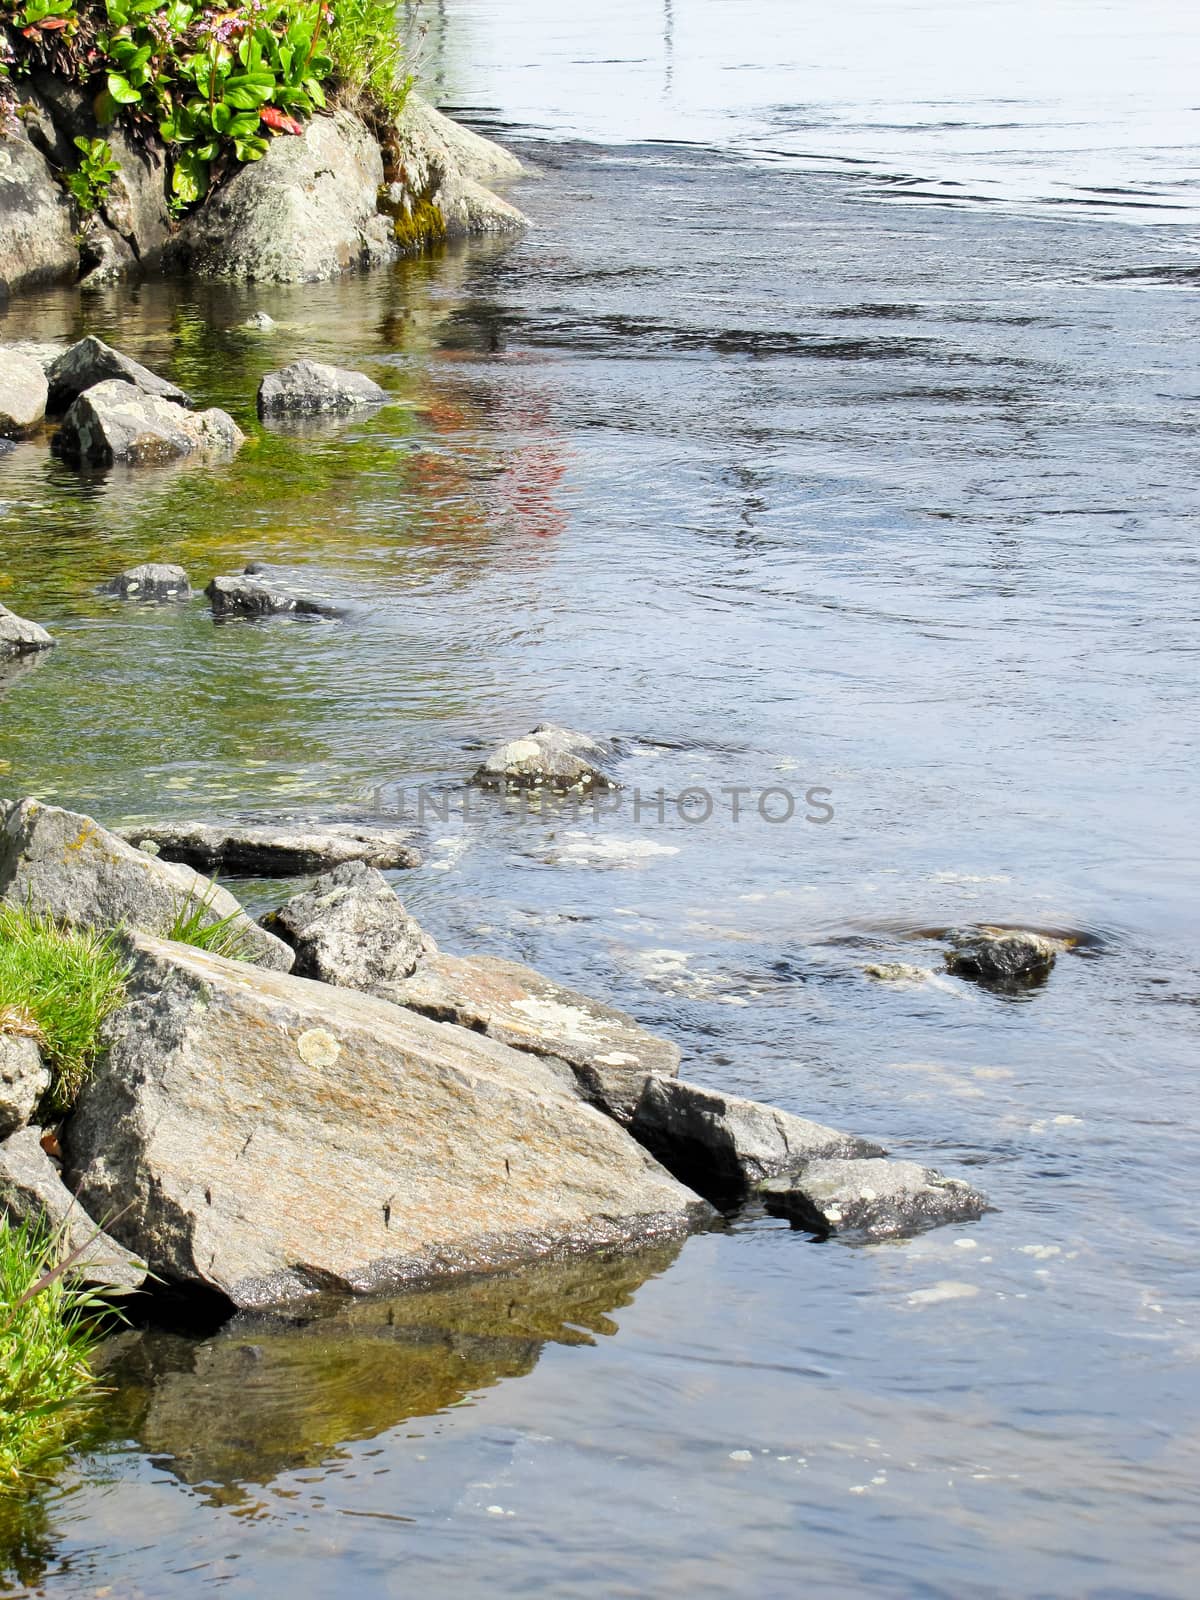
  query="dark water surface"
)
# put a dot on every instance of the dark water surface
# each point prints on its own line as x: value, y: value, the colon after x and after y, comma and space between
x: 786, y: 485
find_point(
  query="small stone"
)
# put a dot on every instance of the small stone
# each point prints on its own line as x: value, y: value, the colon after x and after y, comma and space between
x: 23, y: 393
x: 248, y: 595
x: 897, y: 972
x: 260, y: 322
x: 1002, y: 957
x: 873, y: 1199
x: 153, y: 580
x: 19, y: 637
x: 312, y: 388
x: 548, y: 758
x: 741, y: 1455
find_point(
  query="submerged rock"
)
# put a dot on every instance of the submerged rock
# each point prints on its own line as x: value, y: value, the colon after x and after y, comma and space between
x: 610, y: 1053
x: 312, y: 388
x: 351, y: 930
x: 267, y: 1137
x: 897, y: 972
x: 722, y: 1146
x: 154, y: 580
x: 19, y: 637
x: 273, y: 849
x: 68, y: 865
x: 871, y: 1199
x: 31, y: 1190
x: 1002, y: 956
x: 90, y: 362
x: 548, y: 758
x: 249, y: 595
x: 260, y: 322
x: 115, y: 423
x: 24, y: 1076
x: 23, y: 393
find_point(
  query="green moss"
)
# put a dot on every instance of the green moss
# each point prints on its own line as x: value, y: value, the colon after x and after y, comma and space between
x: 416, y: 222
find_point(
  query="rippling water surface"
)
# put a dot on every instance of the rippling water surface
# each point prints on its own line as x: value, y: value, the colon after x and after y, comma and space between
x: 783, y: 484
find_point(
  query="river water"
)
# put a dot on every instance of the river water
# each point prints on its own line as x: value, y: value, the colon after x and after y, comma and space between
x: 834, y: 427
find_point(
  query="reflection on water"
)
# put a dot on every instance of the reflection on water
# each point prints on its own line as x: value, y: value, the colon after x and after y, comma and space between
x: 779, y: 486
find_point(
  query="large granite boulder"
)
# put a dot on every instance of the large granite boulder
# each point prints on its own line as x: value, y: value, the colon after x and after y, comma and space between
x: 22, y: 393
x: 440, y: 173
x: 549, y: 757
x: 24, y: 1076
x: 266, y: 1137
x: 18, y: 637
x: 723, y: 1146
x: 153, y: 580
x: 37, y: 227
x: 306, y: 211
x: 115, y: 423
x: 64, y: 863
x: 350, y: 929
x: 90, y: 361
x: 871, y: 1199
x: 273, y: 849
x: 313, y: 388
x: 609, y: 1052
x: 31, y: 1190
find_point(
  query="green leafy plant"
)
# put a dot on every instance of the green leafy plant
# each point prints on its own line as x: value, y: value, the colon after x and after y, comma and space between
x: 89, y: 183
x: 195, y: 925
x: 60, y: 984
x: 50, y: 1325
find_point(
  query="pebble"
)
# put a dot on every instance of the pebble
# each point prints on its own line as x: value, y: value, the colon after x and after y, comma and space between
x: 740, y: 1455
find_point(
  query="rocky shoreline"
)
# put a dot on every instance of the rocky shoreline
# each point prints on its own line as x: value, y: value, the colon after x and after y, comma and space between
x: 335, y: 198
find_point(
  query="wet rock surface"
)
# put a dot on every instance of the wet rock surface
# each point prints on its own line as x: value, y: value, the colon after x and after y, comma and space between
x: 37, y: 228
x: 350, y: 929
x: 24, y: 1076
x: 273, y: 849
x: 67, y: 864
x: 23, y: 392
x: 153, y: 580
x: 1002, y: 956
x: 114, y: 423
x: 549, y: 757
x: 609, y: 1052
x: 259, y: 593
x: 871, y: 1199
x: 267, y: 1137
x: 723, y: 1145
x: 313, y: 388
x: 32, y: 1190
x: 19, y: 637
x: 90, y: 361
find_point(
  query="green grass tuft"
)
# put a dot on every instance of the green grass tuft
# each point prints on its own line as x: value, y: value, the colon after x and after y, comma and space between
x: 59, y: 985
x: 228, y: 936
x: 367, y: 52
x: 49, y: 1328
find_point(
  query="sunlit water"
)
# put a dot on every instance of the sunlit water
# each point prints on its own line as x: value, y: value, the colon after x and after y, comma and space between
x: 781, y: 486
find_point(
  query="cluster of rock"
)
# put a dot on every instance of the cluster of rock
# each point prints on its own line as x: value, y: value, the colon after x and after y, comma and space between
x: 332, y: 200
x: 349, y: 1107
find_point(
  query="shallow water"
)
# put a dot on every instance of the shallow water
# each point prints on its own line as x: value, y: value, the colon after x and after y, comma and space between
x: 783, y: 486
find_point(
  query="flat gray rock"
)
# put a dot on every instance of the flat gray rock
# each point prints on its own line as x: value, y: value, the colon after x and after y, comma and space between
x: 350, y: 929
x: 90, y: 362
x: 722, y: 1145
x: 273, y: 849
x: 311, y: 388
x: 871, y: 1199
x: 24, y: 1076
x: 114, y: 423
x: 22, y: 393
x: 549, y: 757
x: 19, y: 637
x: 268, y: 1137
x: 610, y: 1053
x: 32, y: 1190
x: 67, y: 864
x: 153, y: 580
x: 1002, y: 956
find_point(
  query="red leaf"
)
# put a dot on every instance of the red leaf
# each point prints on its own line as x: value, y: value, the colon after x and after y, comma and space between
x: 279, y: 120
x: 52, y: 24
